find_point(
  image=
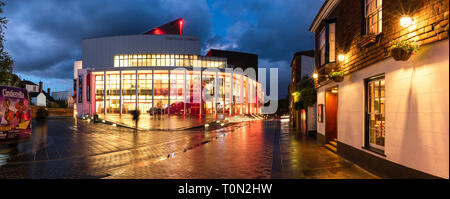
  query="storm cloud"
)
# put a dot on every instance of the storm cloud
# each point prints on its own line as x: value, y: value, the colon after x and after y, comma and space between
x: 44, y: 36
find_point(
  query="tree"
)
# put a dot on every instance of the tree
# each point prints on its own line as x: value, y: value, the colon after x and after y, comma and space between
x: 305, y: 93
x: 7, y: 77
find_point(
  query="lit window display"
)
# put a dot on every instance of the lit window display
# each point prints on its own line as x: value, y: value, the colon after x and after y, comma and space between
x: 99, y: 92
x: 145, y: 91
x: 220, y: 98
x: 237, y: 93
x: 227, y: 93
x: 177, y: 81
x: 176, y: 92
x: 113, y: 92
x: 193, y: 92
x: 208, y: 82
x: 161, y: 92
x: 137, y: 60
x: 128, y: 91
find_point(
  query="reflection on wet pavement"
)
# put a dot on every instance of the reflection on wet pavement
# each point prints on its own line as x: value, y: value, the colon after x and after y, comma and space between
x: 69, y: 148
x: 162, y: 122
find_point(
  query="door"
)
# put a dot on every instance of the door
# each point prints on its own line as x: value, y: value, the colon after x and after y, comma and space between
x: 331, y: 104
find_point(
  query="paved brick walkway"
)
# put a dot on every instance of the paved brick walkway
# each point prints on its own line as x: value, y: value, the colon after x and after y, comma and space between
x: 68, y: 148
x: 303, y: 158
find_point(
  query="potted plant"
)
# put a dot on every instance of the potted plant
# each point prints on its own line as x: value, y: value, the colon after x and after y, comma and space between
x: 337, y: 76
x: 402, y: 50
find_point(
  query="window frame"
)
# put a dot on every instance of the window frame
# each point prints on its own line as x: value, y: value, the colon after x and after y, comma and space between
x: 326, y: 33
x: 367, y: 145
x: 323, y: 48
x: 377, y: 12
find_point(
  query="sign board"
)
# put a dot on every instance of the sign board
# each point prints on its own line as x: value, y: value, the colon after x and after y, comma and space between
x: 15, y: 116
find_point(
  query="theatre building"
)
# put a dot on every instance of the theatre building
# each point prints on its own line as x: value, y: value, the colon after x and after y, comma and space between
x: 160, y: 72
x: 383, y: 99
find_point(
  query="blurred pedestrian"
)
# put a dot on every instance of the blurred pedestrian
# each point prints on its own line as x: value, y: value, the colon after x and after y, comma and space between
x: 135, y: 115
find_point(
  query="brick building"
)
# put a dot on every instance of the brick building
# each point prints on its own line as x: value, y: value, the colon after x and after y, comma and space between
x: 390, y: 117
x: 302, y: 64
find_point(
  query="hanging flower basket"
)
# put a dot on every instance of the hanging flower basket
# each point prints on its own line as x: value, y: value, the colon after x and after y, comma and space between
x: 336, y: 76
x: 402, y: 50
x: 400, y: 55
x: 338, y: 79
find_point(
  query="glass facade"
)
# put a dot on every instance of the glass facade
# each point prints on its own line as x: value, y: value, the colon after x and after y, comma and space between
x: 128, y: 85
x: 176, y: 92
x: 175, y: 60
x: 145, y: 91
x: 112, y: 92
x: 99, y: 92
x: 161, y: 92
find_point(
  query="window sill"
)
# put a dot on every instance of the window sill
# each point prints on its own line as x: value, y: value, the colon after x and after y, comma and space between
x: 368, y: 39
x: 374, y: 150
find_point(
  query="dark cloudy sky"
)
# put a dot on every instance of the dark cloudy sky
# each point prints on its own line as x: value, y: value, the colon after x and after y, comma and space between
x: 44, y: 36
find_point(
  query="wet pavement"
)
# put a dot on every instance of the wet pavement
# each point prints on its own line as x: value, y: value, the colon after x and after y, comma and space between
x: 70, y: 148
x: 162, y: 122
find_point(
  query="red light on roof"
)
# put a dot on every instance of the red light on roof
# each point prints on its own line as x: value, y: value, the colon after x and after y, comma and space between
x: 157, y: 31
x: 181, y: 26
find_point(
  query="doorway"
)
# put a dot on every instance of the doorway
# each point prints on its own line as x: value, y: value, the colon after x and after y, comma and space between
x: 331, y: 111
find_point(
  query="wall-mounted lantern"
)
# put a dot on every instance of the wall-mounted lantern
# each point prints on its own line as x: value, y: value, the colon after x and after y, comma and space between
x: 315, y: 75
x: 405, y: 21
x: 341, y: 57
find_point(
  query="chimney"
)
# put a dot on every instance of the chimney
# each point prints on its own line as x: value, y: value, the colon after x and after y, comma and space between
x: 48, y: 91
x: 40, y: 87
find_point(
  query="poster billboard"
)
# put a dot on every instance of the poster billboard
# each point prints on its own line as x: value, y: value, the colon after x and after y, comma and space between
x: 15, y: 116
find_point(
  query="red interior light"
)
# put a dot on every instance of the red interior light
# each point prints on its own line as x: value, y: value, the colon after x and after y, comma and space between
x: 157, y: 31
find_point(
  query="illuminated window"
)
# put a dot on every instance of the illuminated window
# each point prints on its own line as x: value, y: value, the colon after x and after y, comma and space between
x: 332, y: 41
x: 373, y: 16
x: 99, y: 93
x: 112, y: 92
x: 145, y: 91
x: 375, y: 113
x: 327, y: 43
x: 167, y: 60
x: 322, y: 47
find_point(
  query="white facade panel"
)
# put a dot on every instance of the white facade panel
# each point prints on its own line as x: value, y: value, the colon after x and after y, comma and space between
x: 99, y: 52
x: 416, y: 108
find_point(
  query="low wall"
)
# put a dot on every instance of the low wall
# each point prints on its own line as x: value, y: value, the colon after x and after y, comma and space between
x: 53, y: 111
